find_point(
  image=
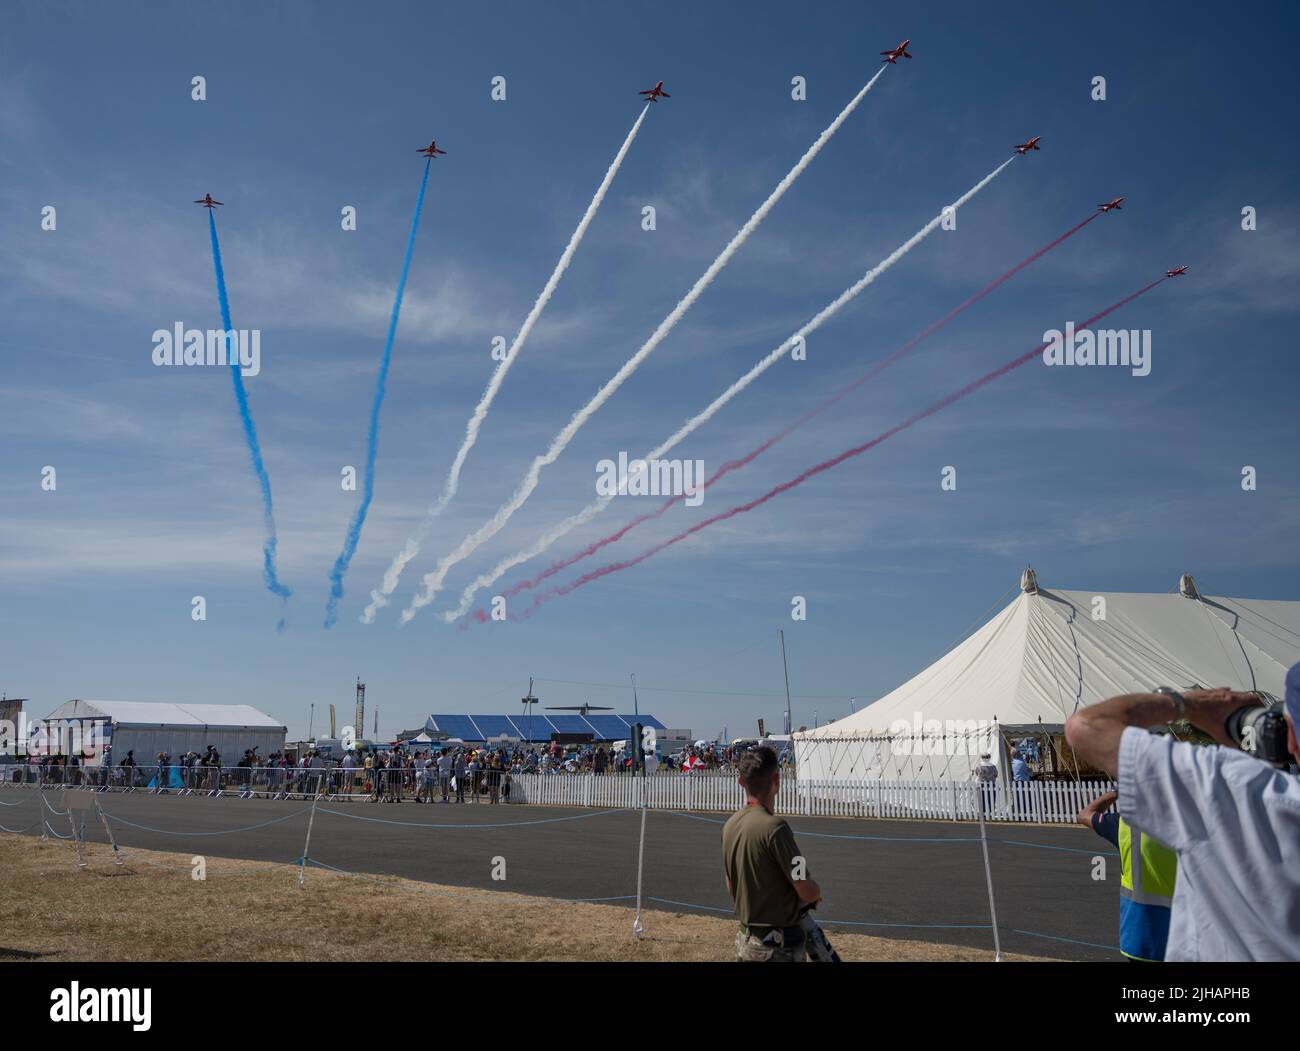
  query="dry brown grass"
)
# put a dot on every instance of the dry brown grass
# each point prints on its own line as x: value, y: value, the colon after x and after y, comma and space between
x: 248, y: 910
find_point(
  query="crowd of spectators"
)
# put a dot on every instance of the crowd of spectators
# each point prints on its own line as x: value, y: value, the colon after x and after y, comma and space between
x: 452, y: 772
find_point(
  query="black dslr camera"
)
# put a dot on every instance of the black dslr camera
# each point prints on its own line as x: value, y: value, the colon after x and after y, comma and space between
x: 1260, y: 730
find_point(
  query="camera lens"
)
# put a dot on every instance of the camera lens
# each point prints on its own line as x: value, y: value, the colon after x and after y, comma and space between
x: 1260, y: 730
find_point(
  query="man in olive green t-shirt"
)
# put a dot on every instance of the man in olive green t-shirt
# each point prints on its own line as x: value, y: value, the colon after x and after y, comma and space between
x: 766, y: 874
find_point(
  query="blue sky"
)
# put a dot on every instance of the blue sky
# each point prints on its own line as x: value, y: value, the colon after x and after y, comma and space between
x: 1099, y: 479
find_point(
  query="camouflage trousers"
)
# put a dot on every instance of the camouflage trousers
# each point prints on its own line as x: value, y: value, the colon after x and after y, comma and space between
x: 750, y: 949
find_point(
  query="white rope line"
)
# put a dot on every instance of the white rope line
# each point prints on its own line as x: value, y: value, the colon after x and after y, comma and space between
x: 491, y: 824
x: 415, y: 886
x: 50, y: 807
x: 219, y: 832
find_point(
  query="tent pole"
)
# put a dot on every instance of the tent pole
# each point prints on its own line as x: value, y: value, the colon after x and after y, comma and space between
x: 1074, y: 760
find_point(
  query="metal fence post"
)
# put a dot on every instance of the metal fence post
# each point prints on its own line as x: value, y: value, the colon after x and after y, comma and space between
x: 108, y: 831
x: 988, y: 877
x: 79, y: 840
x: 302, y: 866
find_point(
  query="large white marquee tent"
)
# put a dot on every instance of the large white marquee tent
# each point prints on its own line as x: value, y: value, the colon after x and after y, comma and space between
x: 148, y: 728
x: 1043, y: 656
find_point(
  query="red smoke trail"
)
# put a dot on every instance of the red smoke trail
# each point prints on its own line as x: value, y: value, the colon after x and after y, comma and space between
x: 825, y: 465
x: 733, y: 465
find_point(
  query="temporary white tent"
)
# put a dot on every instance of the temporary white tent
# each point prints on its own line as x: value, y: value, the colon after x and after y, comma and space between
x: 148, y: 728
x: 1038, y: 660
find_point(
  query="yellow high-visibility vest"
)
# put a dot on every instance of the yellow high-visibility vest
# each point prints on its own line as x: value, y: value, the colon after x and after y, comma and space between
x: 1147, y: 879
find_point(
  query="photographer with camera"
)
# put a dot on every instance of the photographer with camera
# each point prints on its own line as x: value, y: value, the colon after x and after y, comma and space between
x: 1231, y: 814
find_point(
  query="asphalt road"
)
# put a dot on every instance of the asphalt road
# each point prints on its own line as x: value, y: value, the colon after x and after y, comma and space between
x: 901, y: 879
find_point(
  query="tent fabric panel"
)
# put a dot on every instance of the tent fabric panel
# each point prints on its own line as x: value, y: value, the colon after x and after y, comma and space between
x: 1048, y: 653
x: 161, y: 713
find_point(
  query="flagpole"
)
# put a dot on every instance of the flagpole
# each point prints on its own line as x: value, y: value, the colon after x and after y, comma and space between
x: 789, y: 715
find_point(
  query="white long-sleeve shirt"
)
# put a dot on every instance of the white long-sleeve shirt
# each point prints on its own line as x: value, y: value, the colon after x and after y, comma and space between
x: 1234, y: 823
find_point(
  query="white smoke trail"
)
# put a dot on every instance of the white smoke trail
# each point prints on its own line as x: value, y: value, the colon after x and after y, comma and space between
x: 379, y: 598
x: 432, y: 582
x: 597, y: 506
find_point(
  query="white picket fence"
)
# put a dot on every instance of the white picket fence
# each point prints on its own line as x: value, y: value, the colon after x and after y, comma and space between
x: 1044, y: 802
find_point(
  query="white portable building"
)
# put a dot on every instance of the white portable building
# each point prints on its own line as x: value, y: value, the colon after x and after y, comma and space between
x: 148, y: 727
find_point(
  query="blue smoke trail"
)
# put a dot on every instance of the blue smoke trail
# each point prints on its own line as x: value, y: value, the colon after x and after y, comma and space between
x: 250, y: 431
x: 372, y: 437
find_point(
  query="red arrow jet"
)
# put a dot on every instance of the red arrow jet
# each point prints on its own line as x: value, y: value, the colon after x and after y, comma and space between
x: 207, y: 201
x: 1025, y: 147
x: 1176, y: 272
x: 431, y: 150
x: 655, y: 93
x: 892, y: 56
x: 1110, y: 206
